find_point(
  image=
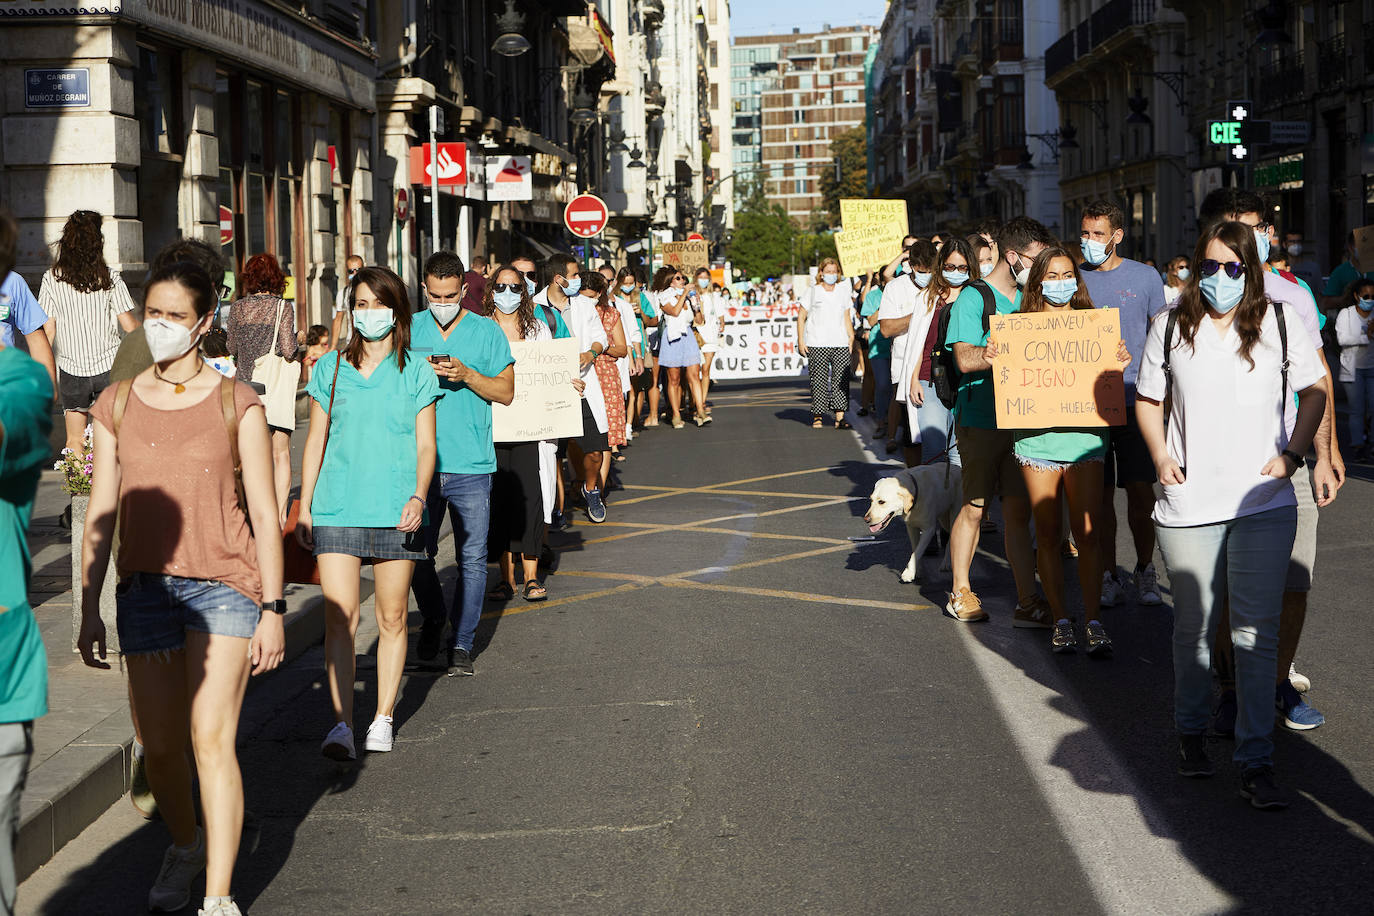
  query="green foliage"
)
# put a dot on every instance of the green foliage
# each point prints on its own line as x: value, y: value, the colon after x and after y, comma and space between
x: 768, y: 243
x: 850, y: 151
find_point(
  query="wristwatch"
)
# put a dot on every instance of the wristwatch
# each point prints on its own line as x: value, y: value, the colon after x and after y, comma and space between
x: 276, y: 607
x: 1293, y: 457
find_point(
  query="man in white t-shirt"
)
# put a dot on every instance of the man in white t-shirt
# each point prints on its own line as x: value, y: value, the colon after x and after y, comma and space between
x: 894, y: 316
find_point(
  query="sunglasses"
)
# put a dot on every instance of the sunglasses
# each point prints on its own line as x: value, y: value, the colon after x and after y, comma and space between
x: 957, y: 268
x: 507, y: 287
x: 1234, y: 269
x: 679, y: 277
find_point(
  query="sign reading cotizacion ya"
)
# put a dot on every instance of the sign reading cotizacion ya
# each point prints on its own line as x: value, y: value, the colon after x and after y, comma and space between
x: 246, y: 30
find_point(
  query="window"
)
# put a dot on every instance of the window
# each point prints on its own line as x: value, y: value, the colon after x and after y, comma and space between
x: 801, y: 186
x: 157, y: 97
x: 711, y: 54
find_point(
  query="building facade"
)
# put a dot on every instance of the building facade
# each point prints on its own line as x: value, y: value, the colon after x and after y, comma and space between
x: 817, y: 94
x: 720, y: 213
x: 755, y: 62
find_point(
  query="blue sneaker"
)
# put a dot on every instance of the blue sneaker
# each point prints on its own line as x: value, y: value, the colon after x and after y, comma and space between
x: 1224, y: 716
x: 1297, y: 714
x: 596, y: 507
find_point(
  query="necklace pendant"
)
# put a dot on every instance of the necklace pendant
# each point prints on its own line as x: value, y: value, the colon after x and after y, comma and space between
x: 179, y: 389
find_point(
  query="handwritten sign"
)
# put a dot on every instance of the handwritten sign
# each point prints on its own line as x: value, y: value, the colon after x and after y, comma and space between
x: 872, y: 234
x: 760, y: 341
x: 1058, y: 369
x: 686, y: 255
x: 1364, y: 249
x: 546, y: 405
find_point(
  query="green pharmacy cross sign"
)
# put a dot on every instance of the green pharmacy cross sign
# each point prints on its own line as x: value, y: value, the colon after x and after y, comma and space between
x: 1238, y: 132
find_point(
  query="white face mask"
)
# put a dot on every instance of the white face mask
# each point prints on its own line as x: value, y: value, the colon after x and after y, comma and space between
x: 1023, y: 274
x: 168, y: 340
x: 444, y: 313
x: 1295, y: 249
x: 830, y: 279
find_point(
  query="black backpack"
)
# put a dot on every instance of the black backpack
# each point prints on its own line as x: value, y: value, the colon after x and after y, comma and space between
x: 944, y: 369
x: 1283, y: 354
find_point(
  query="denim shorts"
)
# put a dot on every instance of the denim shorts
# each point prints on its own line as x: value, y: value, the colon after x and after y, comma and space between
x: 154, y: 611
x: 371, y: 543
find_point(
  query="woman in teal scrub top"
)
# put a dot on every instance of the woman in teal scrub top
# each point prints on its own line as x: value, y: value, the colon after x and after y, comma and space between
x: 367, y: 466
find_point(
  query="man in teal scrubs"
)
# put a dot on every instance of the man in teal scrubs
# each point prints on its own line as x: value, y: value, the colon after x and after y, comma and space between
x: 473, y: 360
x: 985, y: 451
x: 25, y: 421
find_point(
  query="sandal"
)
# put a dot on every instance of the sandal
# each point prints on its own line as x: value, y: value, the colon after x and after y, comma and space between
x: 535, y: 592
x: 502, y: 592
x: 842, y: 424
x: 617, y: 456
x: 816, y: 423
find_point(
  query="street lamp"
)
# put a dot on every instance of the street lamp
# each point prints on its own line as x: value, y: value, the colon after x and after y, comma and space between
x: 1138, y: 103
x: 509, y: 42
x: 1067, y: 135
x: 635, y: 161
x: 617, y: 139
x: 583, y: 112
x: 1272, y: 19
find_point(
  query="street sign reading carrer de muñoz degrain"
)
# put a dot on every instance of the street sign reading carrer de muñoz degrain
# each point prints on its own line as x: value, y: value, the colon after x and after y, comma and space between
x: 69, y: 88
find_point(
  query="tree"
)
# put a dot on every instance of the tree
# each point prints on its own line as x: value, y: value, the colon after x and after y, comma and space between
x: 850, y: 150
x: 762, y: 242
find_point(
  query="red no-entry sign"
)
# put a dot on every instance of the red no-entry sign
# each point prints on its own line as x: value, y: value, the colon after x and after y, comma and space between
x: 226, y: 225
x: 585, y: 215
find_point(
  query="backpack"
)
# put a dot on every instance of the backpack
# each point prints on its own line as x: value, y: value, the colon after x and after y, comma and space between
x: 944, y: 369
x: 550, y: 320
x: 1283, y: 354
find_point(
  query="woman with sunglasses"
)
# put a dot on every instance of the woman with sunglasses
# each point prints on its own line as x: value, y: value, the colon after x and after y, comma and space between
x: 825, y: 327
x: 678, y: 351
x: 1064, y: 466
x: 1226, y: 514
x: 932, y: 423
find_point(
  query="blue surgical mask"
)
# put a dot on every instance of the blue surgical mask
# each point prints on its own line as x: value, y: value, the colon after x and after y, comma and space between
x: 1094, y: 252
x: 954, y: 278
x: 922, y: 278
x: 830, y: 279
x: 1184, y: 273
x: 529, y: 285
x: 627, y: 287
x: 1222, y: 292
x: 703, y: 282
x: 507, y: 300
x: 1262, y: 243
x: 1059, y: 291
x: 1364, y: 305
x: 573, y: 288
x: 374, y: 324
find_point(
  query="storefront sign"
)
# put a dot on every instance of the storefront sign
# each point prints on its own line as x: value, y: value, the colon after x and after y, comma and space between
x: 509, y: 178
x: 1058, y: 369
x: 547, y: 164
x: 760, y: 341
x: 250, y: 31
x: 546, y: 405
x: 1285, y: 174
x: 57, y: 88
x: 453, y: 164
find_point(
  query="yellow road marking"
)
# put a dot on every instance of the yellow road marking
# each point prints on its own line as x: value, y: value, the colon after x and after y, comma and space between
x: 833, y: 548
x: 718, y: 486
x: 795, y: 596
x: 555, y: 602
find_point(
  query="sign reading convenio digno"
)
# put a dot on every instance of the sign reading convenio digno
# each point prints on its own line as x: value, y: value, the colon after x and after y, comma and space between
x: 248, y: 31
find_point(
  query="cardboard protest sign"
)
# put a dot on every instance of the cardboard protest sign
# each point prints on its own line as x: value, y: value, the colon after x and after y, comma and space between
x: 1058, y: 369
x: 546, y: 405
x: 686, y: 256
x: 1364, y: 249
x: 872, y: 234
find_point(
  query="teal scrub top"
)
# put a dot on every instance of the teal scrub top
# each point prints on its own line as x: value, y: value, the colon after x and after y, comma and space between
x: 25, y: 413
x: 1061, y: 444
x: 975, y: 406
x: 371, y: 457
x: 463, y: 416
x: 879, y: 347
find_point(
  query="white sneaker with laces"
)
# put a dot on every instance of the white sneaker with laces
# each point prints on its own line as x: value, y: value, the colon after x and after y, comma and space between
x: 379, y: 735
x: 172, y: 889
x: 1147, y: 582
x: 223, y: 908
x: 1301, y: 682
x: 338, y: 744
x: 1111, y: 589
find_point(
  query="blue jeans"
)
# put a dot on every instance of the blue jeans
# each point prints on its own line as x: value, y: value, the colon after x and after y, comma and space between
x: 153, y: 612
x: 881, y: 367
x: 1244, y: 560
x: 937, y: 426
x: 468, y: 497
x: 1360, y: 394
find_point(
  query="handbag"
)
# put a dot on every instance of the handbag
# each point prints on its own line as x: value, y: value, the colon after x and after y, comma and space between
x: 298, y: 564
x: 279, y: 376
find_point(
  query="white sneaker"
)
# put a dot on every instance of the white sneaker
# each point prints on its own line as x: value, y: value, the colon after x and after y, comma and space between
x: 379, y: 735
x: 1147, y: 583
x: 228, y: 908
x: 172, y: 889
x: 338, y: 744
x: 1111, y: 589
x: 1301, y: 682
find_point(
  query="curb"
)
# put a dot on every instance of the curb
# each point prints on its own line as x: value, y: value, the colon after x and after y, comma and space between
x: 67, y: 793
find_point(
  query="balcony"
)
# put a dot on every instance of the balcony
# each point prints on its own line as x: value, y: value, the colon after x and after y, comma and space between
x: 1282, y: 81
x: 1333, y: 63
x: 1113, y: 18
x: 965, y: 57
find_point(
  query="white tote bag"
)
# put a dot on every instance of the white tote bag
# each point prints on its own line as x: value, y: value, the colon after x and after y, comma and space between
x: 279, y: 376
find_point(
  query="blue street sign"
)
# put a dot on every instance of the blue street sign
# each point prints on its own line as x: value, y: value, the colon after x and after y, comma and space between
x: 69, y: 88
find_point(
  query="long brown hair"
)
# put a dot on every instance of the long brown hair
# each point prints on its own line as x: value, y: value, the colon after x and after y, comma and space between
x: 526, y: 310
x: 1192, y: 304
x: 390, y: 290
x: 1033, y: 296
x: 597, y: 283
x: 80, y: 259
x: 663, y: 278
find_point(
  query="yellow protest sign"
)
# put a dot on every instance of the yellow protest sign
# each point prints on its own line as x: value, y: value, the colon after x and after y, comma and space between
x: 1057, y: 369
x: 686, y: 256
x: 546, y: 406
x: 872, y: 234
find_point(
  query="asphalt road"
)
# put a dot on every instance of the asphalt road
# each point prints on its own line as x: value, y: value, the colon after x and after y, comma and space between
x: 729, y: 707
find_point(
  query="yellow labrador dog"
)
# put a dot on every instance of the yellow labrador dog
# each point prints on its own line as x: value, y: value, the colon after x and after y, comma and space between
x: 926, y: 497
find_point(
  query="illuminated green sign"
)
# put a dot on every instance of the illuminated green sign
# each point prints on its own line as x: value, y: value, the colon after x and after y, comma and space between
x: 1223, y: 133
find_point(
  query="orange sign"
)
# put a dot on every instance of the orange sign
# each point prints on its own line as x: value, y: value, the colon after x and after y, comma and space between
x: 1058, y: 369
